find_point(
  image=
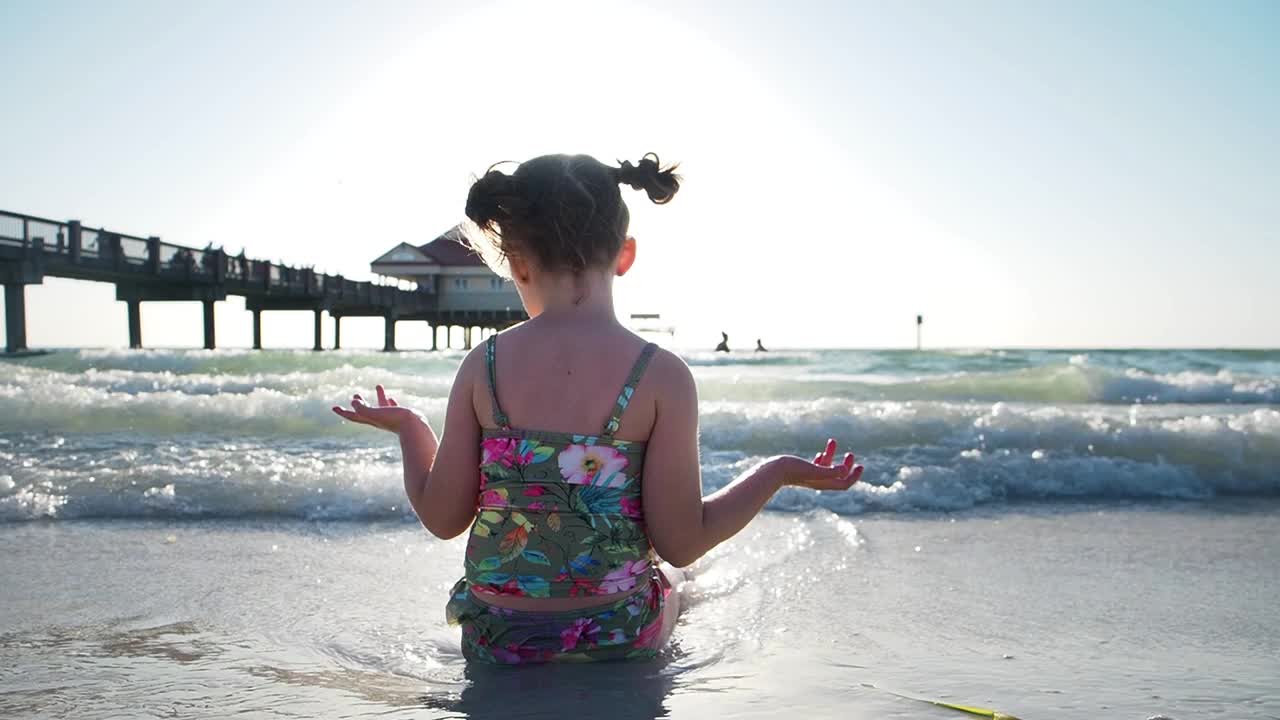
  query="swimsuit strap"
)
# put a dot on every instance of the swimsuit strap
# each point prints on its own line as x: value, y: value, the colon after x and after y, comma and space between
x: 490, y: 353
x: 629, y: 389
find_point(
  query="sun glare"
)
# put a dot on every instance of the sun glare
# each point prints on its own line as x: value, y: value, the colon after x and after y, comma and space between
x: 777, y: 230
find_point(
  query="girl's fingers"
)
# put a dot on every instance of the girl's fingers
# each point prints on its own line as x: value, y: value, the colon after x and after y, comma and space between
x: 829, y: 452
x: 392, y: 402
x: 348, y: 415
x: 382, y: 395
x: 817, y: 459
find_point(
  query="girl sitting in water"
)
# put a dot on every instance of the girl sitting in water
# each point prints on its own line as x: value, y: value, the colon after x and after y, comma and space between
x: 574, y: 505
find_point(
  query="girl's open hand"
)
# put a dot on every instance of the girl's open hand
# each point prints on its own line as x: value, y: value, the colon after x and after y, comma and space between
x: 386, y: 415
x: 821, y: 474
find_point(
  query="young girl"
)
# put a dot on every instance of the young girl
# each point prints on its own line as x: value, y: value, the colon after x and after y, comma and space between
x: 574, y: 505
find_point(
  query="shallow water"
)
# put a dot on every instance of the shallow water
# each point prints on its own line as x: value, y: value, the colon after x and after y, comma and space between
x: 1072, y: 534
x: 1063, y: 611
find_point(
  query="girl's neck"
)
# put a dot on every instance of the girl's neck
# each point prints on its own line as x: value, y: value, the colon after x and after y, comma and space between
x: 587, y: 297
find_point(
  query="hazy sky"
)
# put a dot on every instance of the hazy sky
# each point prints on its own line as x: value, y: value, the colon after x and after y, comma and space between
x: 1068, y: 174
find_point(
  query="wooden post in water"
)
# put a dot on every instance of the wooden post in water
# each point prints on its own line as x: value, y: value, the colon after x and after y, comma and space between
x: 15, y: 317
x: 389, y: 333
x: 135, y: 323
x: 435, y: 336
x: 209, y: 340
x: 919, y: 326
x: 317, y: 346
x: 257, y: 329
x: 337, y: 332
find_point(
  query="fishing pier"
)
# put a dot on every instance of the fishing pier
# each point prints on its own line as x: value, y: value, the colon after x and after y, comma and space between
x: 147, y: 269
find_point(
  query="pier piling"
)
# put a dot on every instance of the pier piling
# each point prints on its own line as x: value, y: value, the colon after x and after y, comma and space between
x: 15, y: 317
x: 389, y: 334
x: 257, y: 329
x: 135, y: 323
x: 209, y: 340
x: 317, y: 346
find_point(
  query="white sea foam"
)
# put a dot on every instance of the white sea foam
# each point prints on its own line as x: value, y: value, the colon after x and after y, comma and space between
x: 195, y: 434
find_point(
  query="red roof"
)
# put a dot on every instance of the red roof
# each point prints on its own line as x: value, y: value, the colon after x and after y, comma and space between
x: 452, y: 248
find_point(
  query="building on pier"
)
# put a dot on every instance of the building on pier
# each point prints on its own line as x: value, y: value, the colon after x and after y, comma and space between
x: 461, y: 285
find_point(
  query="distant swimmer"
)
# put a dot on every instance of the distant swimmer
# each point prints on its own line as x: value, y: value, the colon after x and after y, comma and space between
x: 724, y: 344
x: 760, y: 346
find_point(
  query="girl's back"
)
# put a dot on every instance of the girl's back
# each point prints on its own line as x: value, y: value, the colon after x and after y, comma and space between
x: 565, y: 375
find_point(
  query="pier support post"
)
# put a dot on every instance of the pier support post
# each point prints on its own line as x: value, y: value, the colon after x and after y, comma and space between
x: 135, y: 324
x: 435, y: 337
x: 337, y: 332
x: 209, y: 340
x: 389, y: 334
x: 257, y: 329
x: 317, y: 346
x: 448, y: 337
x: 466, y: 338
x: 15, y: 317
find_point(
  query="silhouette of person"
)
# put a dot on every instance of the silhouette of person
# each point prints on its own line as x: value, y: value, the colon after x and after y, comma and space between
x: 724, y: 344
x: 760, y: 346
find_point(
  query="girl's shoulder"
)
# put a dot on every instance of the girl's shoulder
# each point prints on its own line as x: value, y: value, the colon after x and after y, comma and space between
x: 669, y: 373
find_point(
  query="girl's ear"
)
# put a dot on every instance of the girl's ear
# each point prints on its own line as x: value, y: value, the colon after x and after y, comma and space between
x: 626, y: 256
x: 519, y: 269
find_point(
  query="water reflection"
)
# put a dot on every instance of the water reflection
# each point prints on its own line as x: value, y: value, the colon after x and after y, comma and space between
x: 626, y: 691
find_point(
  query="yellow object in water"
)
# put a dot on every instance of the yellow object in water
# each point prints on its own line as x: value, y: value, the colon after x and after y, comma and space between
x: 980, y: 712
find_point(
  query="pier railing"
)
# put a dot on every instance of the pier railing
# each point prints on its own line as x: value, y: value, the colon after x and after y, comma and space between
x: 76, y: 250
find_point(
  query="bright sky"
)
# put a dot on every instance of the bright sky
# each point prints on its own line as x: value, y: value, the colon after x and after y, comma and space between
x: 1023, y: 174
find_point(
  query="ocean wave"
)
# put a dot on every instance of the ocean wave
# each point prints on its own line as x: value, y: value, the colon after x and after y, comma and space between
x: 1074, y: 382
x: 195, y: 434
x: 920, y: 456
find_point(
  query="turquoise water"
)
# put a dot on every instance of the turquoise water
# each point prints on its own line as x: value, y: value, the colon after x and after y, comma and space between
x: 242, y: 434
x: 1056, y: 534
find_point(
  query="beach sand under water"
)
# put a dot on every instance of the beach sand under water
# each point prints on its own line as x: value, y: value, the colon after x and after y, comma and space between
x: 1051, y: 535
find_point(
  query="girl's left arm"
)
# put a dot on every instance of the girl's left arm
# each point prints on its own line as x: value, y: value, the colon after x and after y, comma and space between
x: 443, y: 482
x: 441, y: 478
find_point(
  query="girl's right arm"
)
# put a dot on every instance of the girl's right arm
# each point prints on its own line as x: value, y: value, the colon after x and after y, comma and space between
x: 683, y: 525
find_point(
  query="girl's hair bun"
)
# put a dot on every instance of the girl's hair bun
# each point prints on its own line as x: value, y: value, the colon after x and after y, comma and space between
x: 495, y: 198
x: 659, y: 183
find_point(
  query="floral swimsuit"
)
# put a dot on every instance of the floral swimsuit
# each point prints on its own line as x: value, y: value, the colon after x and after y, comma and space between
x: 559, y: 515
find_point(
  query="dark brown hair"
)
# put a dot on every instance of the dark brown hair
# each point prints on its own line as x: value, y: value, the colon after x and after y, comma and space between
x: 564, y: 212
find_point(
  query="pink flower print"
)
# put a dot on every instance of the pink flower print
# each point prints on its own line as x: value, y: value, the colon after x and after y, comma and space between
x: 592, y: 465
x: 492, y: 499
x: 648, y: 635
x: 535, y: 491
x: 582, y: 629
x: 507, y: 655
x: 631, y: 507
x: 623, y: 577
x: 498, y: 450
x: 536, y: 507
